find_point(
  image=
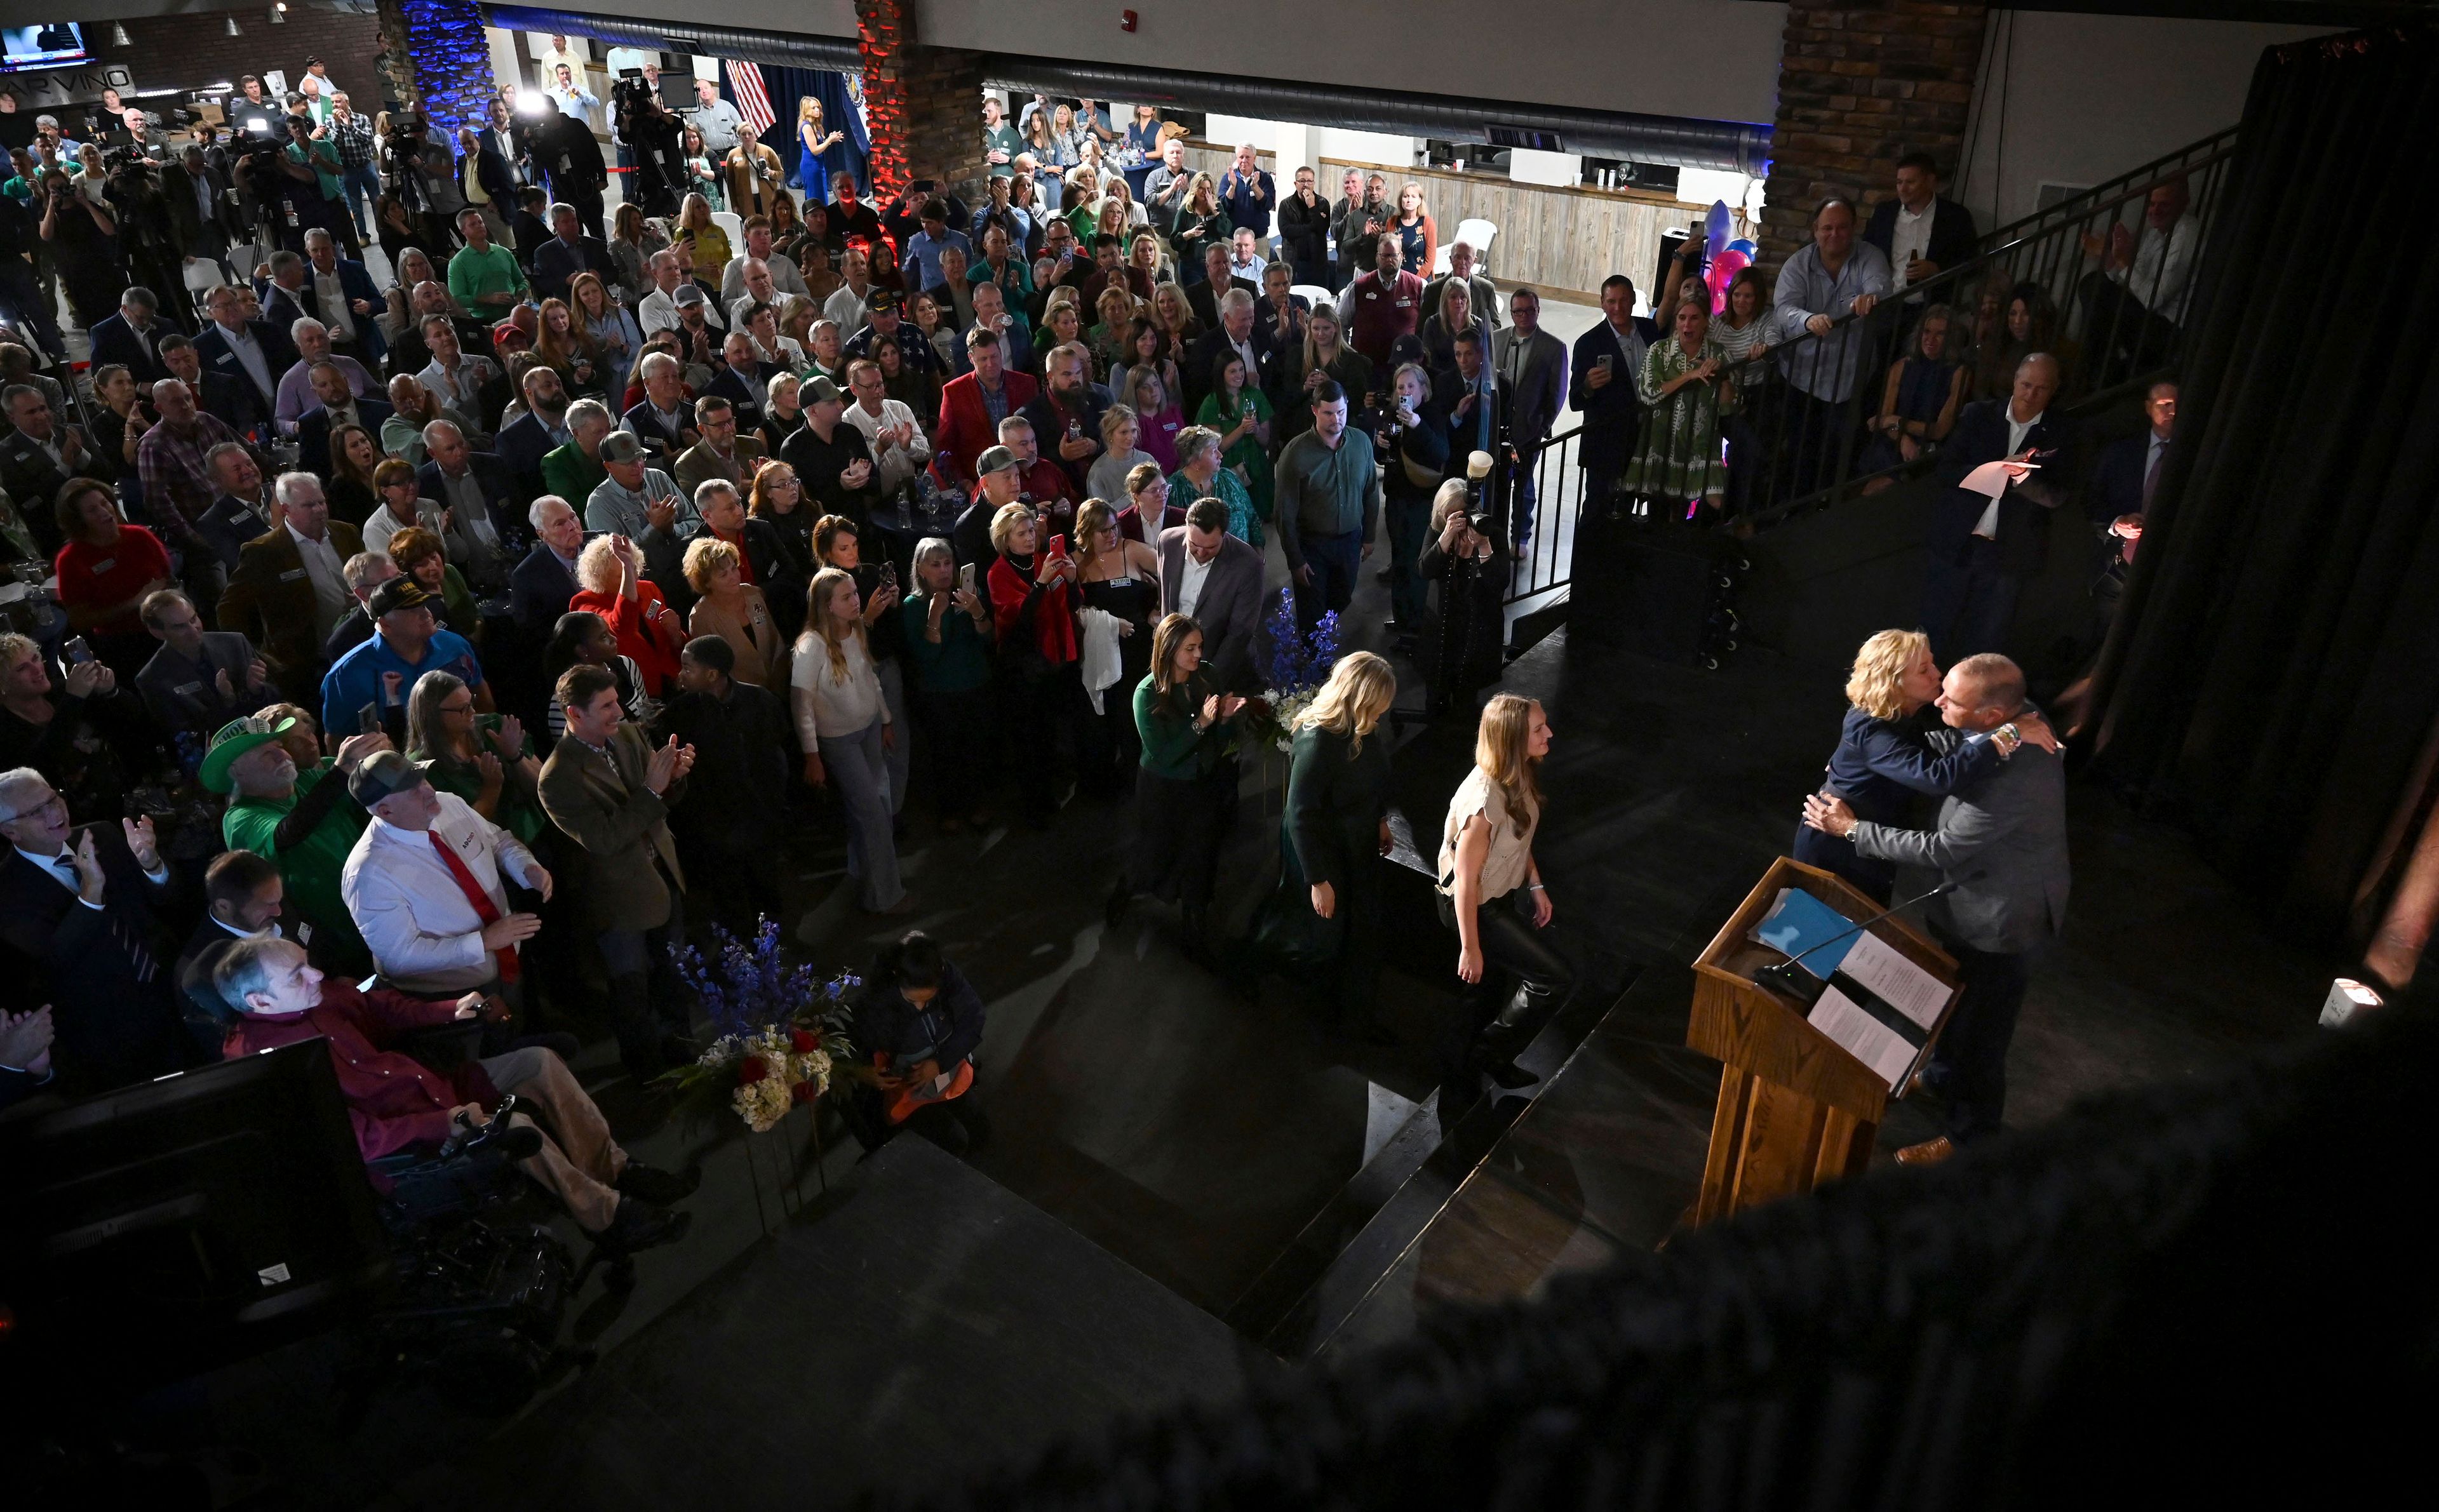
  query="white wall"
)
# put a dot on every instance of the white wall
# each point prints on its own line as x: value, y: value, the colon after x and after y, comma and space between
x: 1706, y: 59
x: 2083, y: 99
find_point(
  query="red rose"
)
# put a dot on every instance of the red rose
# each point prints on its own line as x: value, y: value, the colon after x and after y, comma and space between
x: 803, y: 1091
x: 806, y: 1041
x: 750, y: 1069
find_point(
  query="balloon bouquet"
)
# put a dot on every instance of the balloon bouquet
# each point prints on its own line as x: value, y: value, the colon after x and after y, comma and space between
x: 1723, y: 258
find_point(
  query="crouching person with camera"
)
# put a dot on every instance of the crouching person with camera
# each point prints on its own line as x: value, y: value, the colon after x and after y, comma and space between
x: 397, y: 1102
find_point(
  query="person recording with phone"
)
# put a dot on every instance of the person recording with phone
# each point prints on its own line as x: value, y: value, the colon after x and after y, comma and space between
x: 1461, y: 645
x: 1601, y: 380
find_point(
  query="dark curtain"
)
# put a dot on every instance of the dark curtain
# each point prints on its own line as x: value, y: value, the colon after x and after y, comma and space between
x: 2276, y: 664
x: 841, y: 108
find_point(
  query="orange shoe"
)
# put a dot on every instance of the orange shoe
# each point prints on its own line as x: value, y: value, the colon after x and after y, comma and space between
x: 1930, y: 1152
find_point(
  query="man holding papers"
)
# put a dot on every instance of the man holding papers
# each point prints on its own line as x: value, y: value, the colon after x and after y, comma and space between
x: 2001, y: 845
x: 1991, y: 531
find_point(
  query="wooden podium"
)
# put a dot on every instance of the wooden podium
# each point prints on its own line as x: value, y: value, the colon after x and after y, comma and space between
x: 1795, y: 1109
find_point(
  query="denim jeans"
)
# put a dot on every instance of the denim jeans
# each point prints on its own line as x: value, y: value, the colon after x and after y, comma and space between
x: 858, y: 770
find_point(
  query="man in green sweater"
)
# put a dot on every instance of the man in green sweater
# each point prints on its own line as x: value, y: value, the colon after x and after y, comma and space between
x: 301, y: 820
x: 484, y: 277
x: 1328, y: 506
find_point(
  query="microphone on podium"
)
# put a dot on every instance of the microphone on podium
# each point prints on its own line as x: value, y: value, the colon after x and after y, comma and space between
x: 1790, y: 978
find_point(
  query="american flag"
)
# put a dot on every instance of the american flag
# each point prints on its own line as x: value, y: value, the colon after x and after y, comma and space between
x: 753, y: 101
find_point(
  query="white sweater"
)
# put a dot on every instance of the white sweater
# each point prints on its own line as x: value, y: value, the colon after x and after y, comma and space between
x: 826, y: 705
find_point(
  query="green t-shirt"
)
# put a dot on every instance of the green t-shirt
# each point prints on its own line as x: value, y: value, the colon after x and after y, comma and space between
x: 324, y: 156
x: 491, y: 270
x: 310, y: 870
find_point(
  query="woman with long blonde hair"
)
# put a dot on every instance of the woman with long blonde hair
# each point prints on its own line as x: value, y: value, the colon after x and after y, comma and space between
x: 1326, y: 912
x: 813, y: 142
x: 1419, y: 236
x: 1886, y: 753
x: 844, y: 727
x: 1490, y: 893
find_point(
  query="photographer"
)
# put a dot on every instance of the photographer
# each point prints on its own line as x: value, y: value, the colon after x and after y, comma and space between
x: 650, y: 132
x: 1464, y: 554
x: 422, y: 172
x: 565, y: 151
x: 358, y: 179
x: 148, y: 234
x: 756, y: 176
x: 82, y: 240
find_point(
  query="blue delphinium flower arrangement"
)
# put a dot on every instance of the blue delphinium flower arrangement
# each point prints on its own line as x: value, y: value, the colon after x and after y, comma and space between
x: 1295, y: 670
x: 779, y: 1029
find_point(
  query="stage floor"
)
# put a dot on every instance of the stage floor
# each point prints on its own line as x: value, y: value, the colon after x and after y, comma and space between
x: 924, y: 1326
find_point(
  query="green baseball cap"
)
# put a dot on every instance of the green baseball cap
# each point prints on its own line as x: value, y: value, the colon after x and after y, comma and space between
x: 234, y: 740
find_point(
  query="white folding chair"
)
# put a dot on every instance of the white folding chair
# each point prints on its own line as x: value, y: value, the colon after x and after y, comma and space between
x: 1475, y: 234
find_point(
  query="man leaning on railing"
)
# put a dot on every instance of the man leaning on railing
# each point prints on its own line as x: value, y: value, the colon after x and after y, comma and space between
x: 1820, y: 286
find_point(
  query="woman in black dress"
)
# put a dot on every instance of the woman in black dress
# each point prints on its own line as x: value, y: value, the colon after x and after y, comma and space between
x: 1185, y: 785
x: 1335, y: 832
x: 1121, y: 579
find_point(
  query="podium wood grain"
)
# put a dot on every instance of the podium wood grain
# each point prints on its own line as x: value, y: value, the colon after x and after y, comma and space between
x: 1796, y: 1109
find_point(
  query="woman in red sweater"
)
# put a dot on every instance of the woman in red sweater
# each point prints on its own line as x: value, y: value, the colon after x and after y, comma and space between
x: 610, y: 583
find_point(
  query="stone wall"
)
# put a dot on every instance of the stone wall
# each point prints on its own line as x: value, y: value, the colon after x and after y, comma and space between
x: 1859, y: 87
x: 449, y: 57
x: 922, y: 105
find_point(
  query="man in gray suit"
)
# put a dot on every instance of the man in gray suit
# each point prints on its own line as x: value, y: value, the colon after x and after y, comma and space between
x: 1217, y: 578
x: 2002, y: 844
x: 1532, y: 368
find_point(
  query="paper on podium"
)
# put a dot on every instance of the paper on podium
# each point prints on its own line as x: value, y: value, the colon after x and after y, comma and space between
x: 1990, y: 479
x: 1903, y: 986
x: 1888, y: 1053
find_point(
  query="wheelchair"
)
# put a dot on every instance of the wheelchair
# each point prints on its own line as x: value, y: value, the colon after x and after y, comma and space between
x: 476, y: 1295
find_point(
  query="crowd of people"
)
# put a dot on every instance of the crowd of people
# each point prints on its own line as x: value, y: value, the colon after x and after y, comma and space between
x: 489, y: 628
x: 482, y: 633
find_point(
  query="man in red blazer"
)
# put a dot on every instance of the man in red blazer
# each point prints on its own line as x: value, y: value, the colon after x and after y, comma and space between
x: 967, y: 427
x: 396, y: 1101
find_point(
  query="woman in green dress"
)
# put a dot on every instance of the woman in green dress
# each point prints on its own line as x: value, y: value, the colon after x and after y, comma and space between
x: 484, y: 758
x: 1684, y: 390
x: 1185, y: 785
x: 1236, y: 409
x: 1325, y: 919
x: 1199, y: 475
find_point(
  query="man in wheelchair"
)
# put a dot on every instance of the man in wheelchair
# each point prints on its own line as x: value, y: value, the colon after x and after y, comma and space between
x: 396, y: 1103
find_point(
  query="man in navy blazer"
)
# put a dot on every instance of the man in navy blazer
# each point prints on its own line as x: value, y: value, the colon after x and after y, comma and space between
x: 1951, y: 236
x: 355, y: 286
x: 1601, y: 375
x: 1984, y: 548
x: 230, y: 400
x: 224, y: 338
x: 541, y: 585
x: 132, y: 337
x: 539, y: 431
x: 455, y: 473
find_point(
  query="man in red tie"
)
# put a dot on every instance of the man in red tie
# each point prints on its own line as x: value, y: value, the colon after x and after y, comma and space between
x: 426, y: 885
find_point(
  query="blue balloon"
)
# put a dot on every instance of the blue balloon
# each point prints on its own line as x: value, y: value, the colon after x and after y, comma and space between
x: 1743, y: 245
x: 1714, y: 228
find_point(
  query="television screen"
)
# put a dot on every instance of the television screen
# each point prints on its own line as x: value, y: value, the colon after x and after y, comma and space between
x: 45, y: 46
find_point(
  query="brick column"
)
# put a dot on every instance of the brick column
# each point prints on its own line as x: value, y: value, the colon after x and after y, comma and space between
x: 922, y: 105
x: 1859, y: 87
x: 448, y: 61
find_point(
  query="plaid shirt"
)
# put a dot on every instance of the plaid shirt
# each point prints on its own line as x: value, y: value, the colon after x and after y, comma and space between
x: 177, y: 488
x: 355, y: 139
